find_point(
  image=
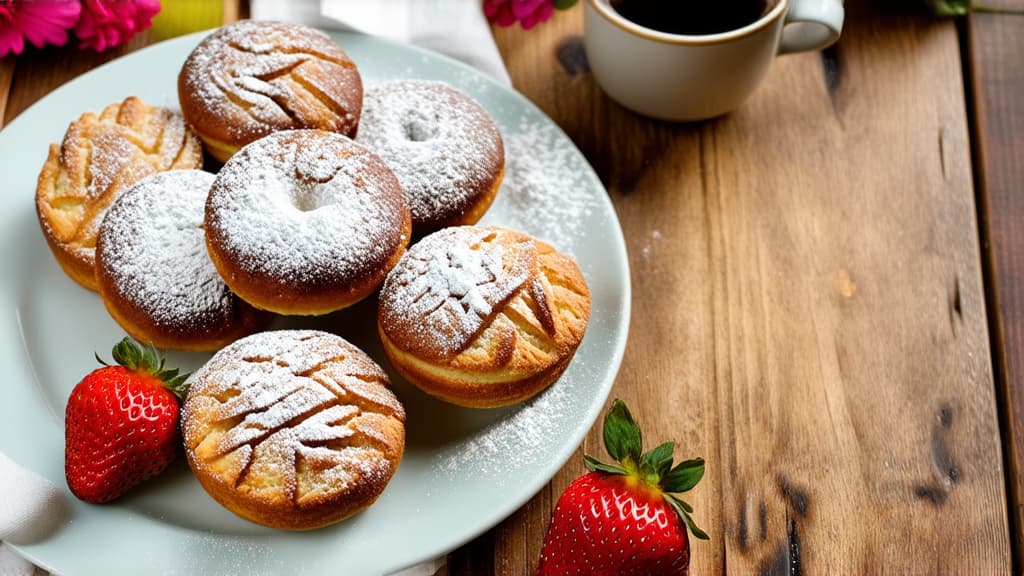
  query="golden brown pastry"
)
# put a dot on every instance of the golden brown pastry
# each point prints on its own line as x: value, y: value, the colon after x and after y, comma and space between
x: 100, y: 156
x: 252, y: 78
x: 155, y: 275
x: 442, y: 146
x: 292, y: 429
x: 305, y: 222
x: 482, y: 317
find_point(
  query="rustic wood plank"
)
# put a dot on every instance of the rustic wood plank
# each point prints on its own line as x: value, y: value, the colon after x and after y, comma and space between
x: 995, y: 44
x: 808, y: 295
x: 7, y: 65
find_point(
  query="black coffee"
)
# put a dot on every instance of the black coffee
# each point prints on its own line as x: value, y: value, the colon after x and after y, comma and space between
x: 692, y: 17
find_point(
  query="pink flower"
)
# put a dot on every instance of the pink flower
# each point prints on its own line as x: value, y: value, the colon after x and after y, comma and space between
x: 39, y: 22
x: 528, y: 13
x: 107, y: 23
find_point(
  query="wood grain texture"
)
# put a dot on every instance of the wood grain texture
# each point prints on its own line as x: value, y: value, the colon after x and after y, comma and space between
x: 995, y: 45
x: 808, y: 311
x: 6, y: 76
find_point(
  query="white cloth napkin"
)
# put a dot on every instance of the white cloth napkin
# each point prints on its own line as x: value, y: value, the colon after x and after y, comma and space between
x: 455, y: 28
x: 30, y: 509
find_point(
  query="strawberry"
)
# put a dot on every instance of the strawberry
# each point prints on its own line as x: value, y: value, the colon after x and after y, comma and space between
x: 624, y: 520
x: 121, y: 423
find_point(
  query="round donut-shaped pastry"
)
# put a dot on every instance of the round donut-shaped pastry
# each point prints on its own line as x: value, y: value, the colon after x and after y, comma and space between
x: 292, y: 429
x: 442, y: 146
x: 482, y: 317
x: 305, y: 222
x: 252, y: 78
x: 155, y: 275
x: 100, y: 156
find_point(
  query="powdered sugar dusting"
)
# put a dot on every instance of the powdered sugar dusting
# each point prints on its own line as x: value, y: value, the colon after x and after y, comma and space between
x: 306, y: 207
x: 516, y: 440
x: 447, y: 286
x: 544, y: 192
x: 441, y: 144
x: 152, y: 247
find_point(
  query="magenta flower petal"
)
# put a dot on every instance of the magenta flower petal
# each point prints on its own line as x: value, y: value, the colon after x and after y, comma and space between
x: 11, y: 41
x: 108, y: 23
x: 528, y: 13
x: 525, y: 8
x: 40, y: 23
x: 537, y: 16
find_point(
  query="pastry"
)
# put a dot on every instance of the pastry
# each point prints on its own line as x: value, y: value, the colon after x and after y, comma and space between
x: 292, y: 429
x: 99, y: 157
x: 305, y: 222
x: 442, y: 146
x: 154, y: 273
x: 482, y: 317
x: 252, y: 78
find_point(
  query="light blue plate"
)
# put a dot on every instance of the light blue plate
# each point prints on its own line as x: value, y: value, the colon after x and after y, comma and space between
x: 463, y: 471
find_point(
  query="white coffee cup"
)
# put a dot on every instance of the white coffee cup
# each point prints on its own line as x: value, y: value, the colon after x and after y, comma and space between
x: 694, y: 77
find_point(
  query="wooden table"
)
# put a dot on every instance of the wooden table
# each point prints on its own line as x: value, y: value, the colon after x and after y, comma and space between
x: 826, y: 295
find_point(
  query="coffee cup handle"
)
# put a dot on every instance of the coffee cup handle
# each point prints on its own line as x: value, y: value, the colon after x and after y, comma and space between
x: 811, y: 25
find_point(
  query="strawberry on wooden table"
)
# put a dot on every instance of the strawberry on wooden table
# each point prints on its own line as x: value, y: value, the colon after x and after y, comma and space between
x: 121, y: 423
x: 624, y: 520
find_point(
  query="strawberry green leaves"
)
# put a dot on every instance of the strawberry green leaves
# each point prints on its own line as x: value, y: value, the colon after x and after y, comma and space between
x: 148, y: 360
x: 622, y: 436
x: 683, y: 477
x: 624, y: 442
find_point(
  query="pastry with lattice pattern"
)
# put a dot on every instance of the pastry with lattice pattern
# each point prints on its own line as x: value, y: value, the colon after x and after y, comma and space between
x: 100, y: 156
x: 483, y: 316
x: 292, y: 429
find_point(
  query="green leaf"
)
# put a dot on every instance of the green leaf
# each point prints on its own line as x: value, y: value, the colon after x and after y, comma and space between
x: 949, y: 7
x: 683, y: 510
x: 127, y: 353
x: 594, y: 464
x: 564, y: 4
x: 684, y: 477
x: 622, y: 436
x: 656, y: 463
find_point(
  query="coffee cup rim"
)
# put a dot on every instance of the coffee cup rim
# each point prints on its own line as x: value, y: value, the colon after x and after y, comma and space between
x: 604, y: 8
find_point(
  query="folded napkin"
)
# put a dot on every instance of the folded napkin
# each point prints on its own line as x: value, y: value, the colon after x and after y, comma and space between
x: 455, y: 28
x: 31, y: 508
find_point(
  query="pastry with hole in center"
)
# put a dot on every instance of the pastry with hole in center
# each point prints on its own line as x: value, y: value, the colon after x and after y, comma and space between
x: 442, y: 146
x: 305, y: 222
x: 100, y: 156
x: 482, y: 316
x: 292, y: 429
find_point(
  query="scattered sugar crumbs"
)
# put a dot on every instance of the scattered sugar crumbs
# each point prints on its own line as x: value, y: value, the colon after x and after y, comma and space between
x: 544, y: 192
x: 512, y: 443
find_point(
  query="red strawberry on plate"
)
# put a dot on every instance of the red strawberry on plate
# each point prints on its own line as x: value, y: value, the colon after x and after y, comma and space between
x: 121, y: 423
x: 624, y: 520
